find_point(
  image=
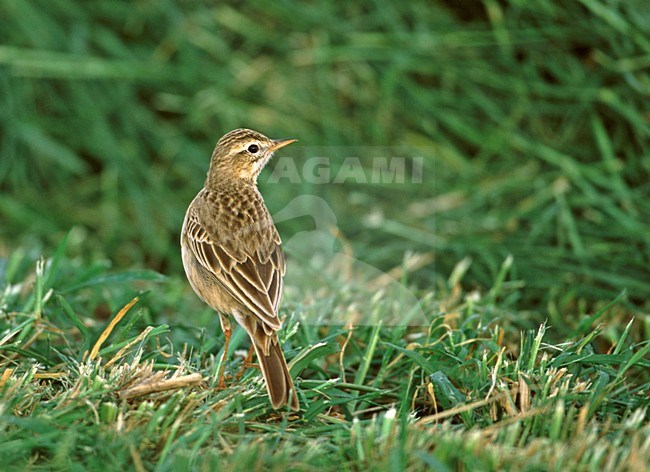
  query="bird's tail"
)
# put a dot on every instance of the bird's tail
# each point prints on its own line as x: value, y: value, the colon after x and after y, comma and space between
x: 276, y: 375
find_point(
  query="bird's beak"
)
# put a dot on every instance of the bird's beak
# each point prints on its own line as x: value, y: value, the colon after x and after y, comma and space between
x: 280, y: 143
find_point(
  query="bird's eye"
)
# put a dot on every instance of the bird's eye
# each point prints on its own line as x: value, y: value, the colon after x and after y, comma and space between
x: 253, y: 148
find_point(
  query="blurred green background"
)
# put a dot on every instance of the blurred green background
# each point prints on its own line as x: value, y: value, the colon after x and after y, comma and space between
x: 532, y: 119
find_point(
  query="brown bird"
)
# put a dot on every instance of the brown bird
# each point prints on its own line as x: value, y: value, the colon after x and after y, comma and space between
x: 232, y: 253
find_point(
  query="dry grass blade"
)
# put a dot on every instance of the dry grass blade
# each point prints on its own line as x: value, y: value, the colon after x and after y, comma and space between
x: 156, y: 384
x: 137, y: 460
x: 128, y: 346
x: 109, y: 329
x: 460, y: 409
x: 5, y: 375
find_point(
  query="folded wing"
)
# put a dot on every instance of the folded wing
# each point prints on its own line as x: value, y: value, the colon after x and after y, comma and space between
x: 251, y: 272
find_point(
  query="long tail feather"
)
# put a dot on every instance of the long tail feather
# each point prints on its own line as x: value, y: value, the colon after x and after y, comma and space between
x: 277, y: 378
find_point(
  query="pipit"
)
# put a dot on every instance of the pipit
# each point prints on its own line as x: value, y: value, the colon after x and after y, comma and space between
x: 232, y: 253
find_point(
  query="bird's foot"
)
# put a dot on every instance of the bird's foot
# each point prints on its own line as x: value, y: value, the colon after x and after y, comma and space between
x: 246, y: 364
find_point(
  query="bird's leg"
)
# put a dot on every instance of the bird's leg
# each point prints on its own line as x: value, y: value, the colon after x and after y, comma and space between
x: 222, y: 370
x: 227, y: 332
x: 247, y: 363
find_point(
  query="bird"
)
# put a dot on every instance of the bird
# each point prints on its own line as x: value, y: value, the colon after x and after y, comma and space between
x: 232, y: 254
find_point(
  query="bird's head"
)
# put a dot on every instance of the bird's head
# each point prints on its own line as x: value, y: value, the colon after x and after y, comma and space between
x: 242, y: 154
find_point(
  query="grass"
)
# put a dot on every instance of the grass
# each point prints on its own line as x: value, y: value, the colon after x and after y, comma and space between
x: 531, y: 119
x: 458, y: 393
x: 514, y: 331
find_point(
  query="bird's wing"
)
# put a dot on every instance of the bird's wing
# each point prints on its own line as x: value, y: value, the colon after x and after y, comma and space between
x: 251, y: 273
